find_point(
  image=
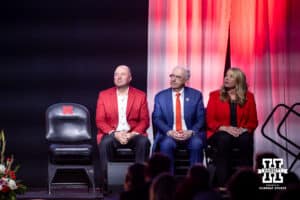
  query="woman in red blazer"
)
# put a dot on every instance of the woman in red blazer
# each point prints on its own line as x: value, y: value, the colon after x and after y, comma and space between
x: 231, y: 120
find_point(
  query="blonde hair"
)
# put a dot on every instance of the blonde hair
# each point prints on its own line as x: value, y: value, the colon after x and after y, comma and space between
x: 241, y: 87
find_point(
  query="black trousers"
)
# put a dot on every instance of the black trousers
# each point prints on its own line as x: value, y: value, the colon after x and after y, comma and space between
x: 140, y: 144
x: 224, y: 158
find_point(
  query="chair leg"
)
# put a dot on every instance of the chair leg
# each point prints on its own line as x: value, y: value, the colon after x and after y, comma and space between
x: 51, y: 174
x: 90, y: 173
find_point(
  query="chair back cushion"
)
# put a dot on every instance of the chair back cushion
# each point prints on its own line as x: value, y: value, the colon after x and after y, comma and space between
x: 68, y: 123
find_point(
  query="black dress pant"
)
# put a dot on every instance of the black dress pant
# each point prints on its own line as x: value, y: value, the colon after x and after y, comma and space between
x: 140, y: 144
x: 224, y: 143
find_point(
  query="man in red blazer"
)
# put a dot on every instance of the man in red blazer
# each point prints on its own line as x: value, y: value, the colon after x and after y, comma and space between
x: 122, y: 118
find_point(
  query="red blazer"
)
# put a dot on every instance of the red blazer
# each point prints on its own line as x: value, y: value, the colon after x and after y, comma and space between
x: 107, y: 111
x: 218, y: 113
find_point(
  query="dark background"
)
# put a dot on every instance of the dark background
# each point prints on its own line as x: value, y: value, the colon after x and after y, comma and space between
x: 62, y: 51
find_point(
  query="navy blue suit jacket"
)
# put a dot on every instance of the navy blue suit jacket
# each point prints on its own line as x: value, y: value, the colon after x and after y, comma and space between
x: 163, y: 114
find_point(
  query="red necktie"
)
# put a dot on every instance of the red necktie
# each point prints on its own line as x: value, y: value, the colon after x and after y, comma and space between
x: 178, y: 113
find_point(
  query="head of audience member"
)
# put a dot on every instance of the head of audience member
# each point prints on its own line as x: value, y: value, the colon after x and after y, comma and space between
x: 122, y: 76
x: 135, y: 177
x: 234, y: 81
x: 199, y: 176
x: 259, y: 159
x: 178, y: 78
x: 163, y: 187
x: 244, y: 185
x: 157, y: 164
x: 196, y: 181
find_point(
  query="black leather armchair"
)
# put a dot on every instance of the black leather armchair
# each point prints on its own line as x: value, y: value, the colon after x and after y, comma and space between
x: 68, y: 132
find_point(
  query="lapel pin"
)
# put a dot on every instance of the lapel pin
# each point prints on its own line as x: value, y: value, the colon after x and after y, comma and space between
x: 187, y: 99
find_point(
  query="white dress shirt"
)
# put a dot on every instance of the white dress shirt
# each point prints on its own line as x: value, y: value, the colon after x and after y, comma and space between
x: 122, y: 120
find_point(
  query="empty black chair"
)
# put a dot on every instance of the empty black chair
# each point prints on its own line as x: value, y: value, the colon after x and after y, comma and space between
x: 68, y: 132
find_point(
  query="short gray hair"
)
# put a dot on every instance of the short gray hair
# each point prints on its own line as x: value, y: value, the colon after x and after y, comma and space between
x: 187, y: 72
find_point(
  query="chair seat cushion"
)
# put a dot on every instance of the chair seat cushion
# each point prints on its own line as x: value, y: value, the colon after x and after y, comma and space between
x: 123, y: 155
x: 68, y: 153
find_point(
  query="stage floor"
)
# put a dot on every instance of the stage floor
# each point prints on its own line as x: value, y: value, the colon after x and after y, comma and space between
x: 61, y: 194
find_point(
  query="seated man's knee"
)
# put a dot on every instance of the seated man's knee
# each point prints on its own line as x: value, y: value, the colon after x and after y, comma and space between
x: 167, y: 143
x: 143, y: 140
x: 106, y: 140
x: 196, y: 143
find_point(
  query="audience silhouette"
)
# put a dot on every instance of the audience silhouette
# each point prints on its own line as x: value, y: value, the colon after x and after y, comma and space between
x: 153, y: 180
x: 163, y: 187
x: 196, y: 185
x: 134, y: 183
x: 244, y: 185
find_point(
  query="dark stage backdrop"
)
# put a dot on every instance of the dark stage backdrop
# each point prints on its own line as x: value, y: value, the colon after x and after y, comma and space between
x: 62, y: 51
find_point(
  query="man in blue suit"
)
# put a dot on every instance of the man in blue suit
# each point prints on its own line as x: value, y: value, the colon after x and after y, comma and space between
x: 179, y: 117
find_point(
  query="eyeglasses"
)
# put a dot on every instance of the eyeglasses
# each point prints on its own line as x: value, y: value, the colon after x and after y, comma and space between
x: 175, y: 76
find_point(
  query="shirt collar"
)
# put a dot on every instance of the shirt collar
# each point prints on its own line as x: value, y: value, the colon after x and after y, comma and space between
x: 181, y: 92
x: 122, y: 95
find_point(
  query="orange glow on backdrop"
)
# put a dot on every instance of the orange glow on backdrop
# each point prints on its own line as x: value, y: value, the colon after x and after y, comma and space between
x: 189, y: 33
x: 263, y: 43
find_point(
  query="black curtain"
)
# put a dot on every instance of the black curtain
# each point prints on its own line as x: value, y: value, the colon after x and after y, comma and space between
x: 62, y: 51
x: 228, y: 59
